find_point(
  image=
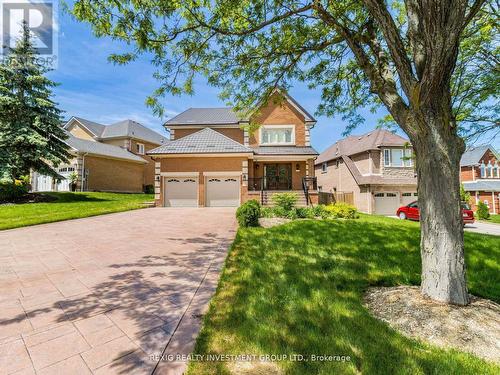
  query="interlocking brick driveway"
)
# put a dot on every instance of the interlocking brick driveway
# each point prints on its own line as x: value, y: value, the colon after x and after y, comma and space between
x: 106, y: 294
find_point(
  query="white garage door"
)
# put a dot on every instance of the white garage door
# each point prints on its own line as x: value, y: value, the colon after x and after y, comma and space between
x: 223, y: 192
x: 181, y: 192
x: 43, y: 183
x: 386, y: 203
x: 407, y: 198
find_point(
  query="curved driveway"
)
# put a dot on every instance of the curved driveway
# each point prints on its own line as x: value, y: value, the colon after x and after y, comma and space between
x: 109, y: 294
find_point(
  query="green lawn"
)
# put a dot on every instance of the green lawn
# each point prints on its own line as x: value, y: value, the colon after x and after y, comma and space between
x: 493, y: 219
x: 298, y: 288
x: 69, y: 206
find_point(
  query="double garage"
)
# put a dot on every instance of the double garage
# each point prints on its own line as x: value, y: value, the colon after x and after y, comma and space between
x: 388, y: 202
x: 214, y: 190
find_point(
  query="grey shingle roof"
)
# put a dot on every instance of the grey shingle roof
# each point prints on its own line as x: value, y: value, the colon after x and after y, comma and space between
x: 205, y: 116
x: 98, y: 148
x: 482, y: 185
x: 284, y: 150
x: 355, y: 144
x: 205, y: 141
x: 94, y: 127
x: 133, y: 129
x: 473, y: 155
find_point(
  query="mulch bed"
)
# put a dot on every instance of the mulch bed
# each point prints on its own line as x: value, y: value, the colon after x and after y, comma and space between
x: 30, y: 198
x: 474, y: 328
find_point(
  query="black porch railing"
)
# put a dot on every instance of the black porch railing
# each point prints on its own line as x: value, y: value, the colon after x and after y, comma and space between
x: 269, y: 183
x: 309, y: 183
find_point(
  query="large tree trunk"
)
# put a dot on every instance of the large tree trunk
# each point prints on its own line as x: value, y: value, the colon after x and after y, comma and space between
x: 438, y: 155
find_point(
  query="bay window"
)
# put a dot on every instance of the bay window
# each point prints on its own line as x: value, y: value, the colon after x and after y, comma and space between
x: 277, y: 135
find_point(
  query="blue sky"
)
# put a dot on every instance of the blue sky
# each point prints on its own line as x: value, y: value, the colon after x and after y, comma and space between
x: 93, y: 88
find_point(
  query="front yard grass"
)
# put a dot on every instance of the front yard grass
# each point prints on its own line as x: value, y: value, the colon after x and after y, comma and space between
x: 493, y: 219
x: 69, y: 206
x: 298, y: 289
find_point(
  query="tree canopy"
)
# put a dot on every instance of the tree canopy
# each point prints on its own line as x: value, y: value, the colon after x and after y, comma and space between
x: 31, y: 135
x: 359, y: 53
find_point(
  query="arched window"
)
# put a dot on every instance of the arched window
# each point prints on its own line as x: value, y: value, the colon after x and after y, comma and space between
x: 489, y: 172
x: 483, y: 170
x: 496, y: 170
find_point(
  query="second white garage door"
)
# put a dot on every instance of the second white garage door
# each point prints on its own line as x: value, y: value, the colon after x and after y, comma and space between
x: 181, y: 192
x: 386, y: 203
x: 222, y: 191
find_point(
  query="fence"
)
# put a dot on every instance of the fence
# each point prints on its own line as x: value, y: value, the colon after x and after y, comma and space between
x: 339, y: 196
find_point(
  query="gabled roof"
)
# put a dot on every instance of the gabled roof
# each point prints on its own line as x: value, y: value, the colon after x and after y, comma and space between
x: 205, y: 116
x: 355, y: 144
x: 101, y: 149
x: 125, y: 129
x: 95, y: 128
x: 226, y: 115
x: 132, y: 129
x: 205, y: 141
x: 473, y: 155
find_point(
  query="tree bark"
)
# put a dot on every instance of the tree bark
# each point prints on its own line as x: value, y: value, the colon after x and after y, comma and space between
x: 438, y: 151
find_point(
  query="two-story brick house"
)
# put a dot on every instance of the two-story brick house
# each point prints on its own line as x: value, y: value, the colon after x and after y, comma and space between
x: 377, y: 167
x: 213, y: 160
x: 480, y: 175
x: 106, y: 157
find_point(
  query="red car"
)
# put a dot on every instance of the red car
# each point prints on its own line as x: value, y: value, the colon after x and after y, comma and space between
x: 412, y: 212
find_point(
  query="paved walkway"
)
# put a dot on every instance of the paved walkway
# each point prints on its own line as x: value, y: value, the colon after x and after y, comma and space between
x: 482, y: 227
x: 109, y: 294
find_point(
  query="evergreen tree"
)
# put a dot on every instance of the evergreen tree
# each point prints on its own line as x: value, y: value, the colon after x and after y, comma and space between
x: 31, y: 136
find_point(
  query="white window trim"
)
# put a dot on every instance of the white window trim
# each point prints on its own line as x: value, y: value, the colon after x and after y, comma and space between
x: 405, y: 153
x: 292, y: 143
x: 141, y: 147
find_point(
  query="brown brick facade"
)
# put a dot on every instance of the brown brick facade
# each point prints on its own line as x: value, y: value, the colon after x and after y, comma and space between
x: 113, y: 175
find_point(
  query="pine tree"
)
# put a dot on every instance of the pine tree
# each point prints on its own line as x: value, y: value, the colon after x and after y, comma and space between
x: 31, y: 136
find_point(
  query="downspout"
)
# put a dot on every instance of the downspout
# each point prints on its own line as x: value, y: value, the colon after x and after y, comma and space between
x: 83, y: 171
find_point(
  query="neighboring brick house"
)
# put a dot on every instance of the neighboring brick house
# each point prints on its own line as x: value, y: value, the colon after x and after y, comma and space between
x: 480, y: 175
x: 106, y: 157
x: 377, y: 167
x: 212, y: 160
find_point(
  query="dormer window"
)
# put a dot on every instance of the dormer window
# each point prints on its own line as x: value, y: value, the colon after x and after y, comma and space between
x: 139, y: 148
x: 277, y: 135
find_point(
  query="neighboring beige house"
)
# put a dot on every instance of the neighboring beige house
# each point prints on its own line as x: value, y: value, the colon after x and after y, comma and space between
x: 211, y: 160
x: 377, y: 167
x: 106, y: 157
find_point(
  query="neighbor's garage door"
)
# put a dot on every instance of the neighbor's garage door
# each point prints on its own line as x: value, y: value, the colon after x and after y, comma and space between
x: 181, y: 192
x: 407, y: 198
x: 223, y: 192
x: 386, y: 203
x: 43, y: 183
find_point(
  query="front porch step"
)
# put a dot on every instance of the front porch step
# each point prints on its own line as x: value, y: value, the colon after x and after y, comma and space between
x: 267, y: 200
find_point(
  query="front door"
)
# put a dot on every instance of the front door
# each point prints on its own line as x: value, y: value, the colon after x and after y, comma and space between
x: 277, y: 176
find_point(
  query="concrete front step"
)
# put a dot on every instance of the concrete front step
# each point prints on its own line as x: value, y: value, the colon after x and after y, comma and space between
x: 267, y: 197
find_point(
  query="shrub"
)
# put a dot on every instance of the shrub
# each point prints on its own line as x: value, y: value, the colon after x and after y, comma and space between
x: 286, y: 201
x: 12, y: 190
x: 340, y: 210
x: 279, y: 212
x: 318, y: 210
x: 149, y: 189
x: 292, y: 214
x: 305, y: 212
x: 266, y: 212
x: 482, y: 211
x: 248, y: 214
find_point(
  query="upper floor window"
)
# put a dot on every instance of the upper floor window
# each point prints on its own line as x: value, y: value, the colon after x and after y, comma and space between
x: 482, y: 168
x: 277, y: 135
x: 139, y: 148
x: 490, y: 170
x: 324, y: 167
x: 397, y: 157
